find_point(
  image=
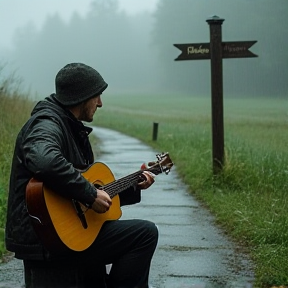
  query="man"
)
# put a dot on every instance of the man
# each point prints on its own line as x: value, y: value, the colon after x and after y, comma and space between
x: 53, y: 147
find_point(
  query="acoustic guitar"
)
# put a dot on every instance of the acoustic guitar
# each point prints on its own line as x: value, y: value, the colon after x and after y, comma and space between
x: 63, y: 223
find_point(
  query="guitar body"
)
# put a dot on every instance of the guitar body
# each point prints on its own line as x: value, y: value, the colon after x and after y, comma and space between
x: 55, y: 219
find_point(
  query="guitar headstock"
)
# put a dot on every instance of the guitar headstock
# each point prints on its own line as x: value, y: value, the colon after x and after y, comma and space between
x: 162, y: 165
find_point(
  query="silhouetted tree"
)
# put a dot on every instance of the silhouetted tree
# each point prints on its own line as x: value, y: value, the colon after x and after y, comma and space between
x: 111, y: 41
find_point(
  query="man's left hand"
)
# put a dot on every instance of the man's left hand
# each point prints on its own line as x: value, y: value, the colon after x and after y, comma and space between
x: 148, y: 180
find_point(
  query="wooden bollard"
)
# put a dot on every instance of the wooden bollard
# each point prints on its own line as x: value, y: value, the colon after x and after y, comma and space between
x: 155, y: 131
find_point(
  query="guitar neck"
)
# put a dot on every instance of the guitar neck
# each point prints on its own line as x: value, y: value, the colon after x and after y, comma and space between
x: 122, y: 184
x: 131, y: 180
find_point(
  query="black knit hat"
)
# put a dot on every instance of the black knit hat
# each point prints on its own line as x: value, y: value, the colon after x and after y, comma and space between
x: 77, y: 82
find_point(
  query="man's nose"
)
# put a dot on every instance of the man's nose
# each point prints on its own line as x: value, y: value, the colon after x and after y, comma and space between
x: 99, y: 102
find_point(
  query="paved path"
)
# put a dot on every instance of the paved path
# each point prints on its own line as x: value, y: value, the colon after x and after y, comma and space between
x: 192, y: 251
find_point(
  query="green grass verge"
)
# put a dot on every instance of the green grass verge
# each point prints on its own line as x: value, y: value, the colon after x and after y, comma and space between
x: 249, y: 197
x: 15, y: 109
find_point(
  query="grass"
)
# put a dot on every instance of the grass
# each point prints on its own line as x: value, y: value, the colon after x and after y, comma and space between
x: 249, y: 197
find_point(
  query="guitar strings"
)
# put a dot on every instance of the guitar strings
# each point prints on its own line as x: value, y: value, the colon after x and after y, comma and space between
x: 120, y: 185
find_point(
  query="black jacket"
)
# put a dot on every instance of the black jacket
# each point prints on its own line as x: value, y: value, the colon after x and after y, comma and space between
x: 51, y: 147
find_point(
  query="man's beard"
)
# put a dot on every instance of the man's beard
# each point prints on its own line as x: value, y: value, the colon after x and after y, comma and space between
x: 84, y: 113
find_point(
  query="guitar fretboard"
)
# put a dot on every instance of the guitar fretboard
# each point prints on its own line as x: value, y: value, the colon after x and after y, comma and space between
x: 122, y: 184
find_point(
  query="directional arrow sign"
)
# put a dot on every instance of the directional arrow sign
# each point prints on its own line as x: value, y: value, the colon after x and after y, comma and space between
x: 195, y: 51
x: 199, y: 51
x: 237, y: 49
x: 216, y: 50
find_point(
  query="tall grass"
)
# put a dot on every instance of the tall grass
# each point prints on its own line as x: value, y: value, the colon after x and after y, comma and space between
x: 15, y: 109
x: 249, y: 197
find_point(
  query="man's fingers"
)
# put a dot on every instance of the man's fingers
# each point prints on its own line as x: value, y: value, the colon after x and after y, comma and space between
x: 106, y: 204
x: 148, y: 178
x: 101, y: 194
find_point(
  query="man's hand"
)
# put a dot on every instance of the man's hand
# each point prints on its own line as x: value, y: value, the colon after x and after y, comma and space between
x: 148, y: 180
x: 102, y: 202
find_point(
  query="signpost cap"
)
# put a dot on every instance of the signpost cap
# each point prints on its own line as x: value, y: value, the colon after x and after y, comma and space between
x: 215, y: 20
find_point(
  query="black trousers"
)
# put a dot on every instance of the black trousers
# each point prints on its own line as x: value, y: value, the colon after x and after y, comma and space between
x: 129, y: 245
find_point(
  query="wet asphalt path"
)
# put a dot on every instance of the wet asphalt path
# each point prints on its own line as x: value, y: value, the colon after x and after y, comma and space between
x: 192, y: 251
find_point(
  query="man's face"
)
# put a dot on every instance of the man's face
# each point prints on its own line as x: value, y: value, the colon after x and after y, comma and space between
x: 88, y: 108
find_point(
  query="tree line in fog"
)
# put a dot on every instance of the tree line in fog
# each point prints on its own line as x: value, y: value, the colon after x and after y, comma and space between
x: 135, y: 54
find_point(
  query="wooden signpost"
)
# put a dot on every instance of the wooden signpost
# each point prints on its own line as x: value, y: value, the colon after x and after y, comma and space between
x: 216, y: 50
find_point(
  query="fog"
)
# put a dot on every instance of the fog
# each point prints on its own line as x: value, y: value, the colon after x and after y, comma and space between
x: 135, y: 54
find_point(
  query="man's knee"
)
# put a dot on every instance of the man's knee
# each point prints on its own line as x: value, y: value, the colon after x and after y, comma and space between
x: 151, y: 231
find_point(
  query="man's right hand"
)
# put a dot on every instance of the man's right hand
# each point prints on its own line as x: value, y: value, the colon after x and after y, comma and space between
x: 102, y: 202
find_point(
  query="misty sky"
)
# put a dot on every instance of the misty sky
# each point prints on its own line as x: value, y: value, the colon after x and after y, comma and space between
x: 17, y: 13
x: 132, y: 47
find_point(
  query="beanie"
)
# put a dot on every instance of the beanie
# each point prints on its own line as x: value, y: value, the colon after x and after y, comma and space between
x: 77, y: 82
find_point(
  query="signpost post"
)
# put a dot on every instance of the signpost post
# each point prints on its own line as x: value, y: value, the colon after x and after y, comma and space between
x: 216, y: 50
